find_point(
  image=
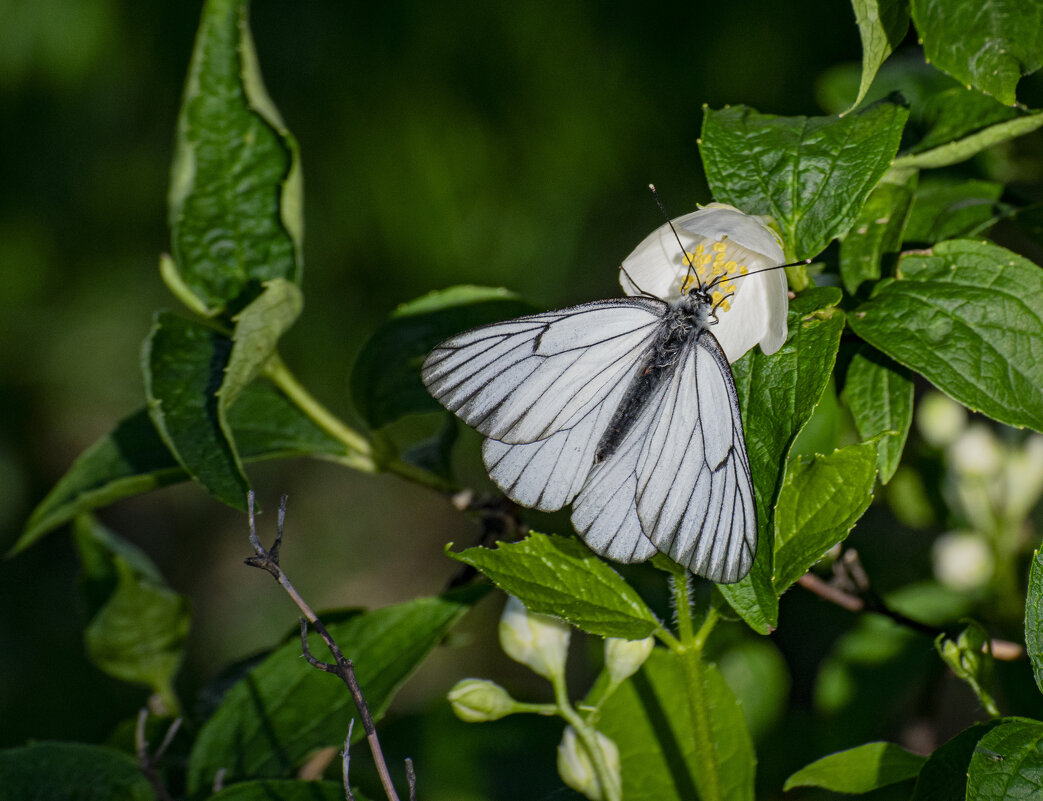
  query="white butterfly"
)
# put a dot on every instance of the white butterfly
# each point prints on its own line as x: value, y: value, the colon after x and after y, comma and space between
x: 624, y: 408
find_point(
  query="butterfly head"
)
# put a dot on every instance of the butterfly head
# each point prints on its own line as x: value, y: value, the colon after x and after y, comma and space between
x: 712, y: 267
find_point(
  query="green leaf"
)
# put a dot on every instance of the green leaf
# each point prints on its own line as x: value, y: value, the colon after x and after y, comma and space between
x: 859, y: 770
x: 821, y: 500
x: 777, y: 395
x: 133, y: 459
x: 1034, y: 617
x: 138, y: 628
x: 267, y: 425
x: 758, y: 674
x: 945, y: 209
x: 71, y: 772
x: 130, y: 460
x: 987, y: 45
x: 944, y: 776
x: 284, y: 709
x: 882, y: 24
x: 879, y: 394
x: 385, y: 381
x: 183, y: 363
x: 957, y: 112
x: 812, y: 174
x: 1008, y: 763
x: 560, y: 576
x: 235, y: 190
x: 649, y: 721
x: 257, y: 331
x: 968, y: 316
x: 963, y: 149
x: 282, y: 790
x: 876, y: 233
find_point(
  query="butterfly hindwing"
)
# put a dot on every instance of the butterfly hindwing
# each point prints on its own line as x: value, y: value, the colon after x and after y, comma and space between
x: 694, y: 492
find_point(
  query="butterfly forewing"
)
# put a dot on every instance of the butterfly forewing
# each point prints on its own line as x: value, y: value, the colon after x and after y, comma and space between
x: 526, y: 379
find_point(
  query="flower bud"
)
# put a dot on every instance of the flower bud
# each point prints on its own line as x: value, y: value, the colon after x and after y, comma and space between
x: 1023, y: 478
x: 977, y: 452
x: 624, y: 658
x: 940, y: 419
x: 478, y: 700
x: 539, y: 642
x: 962, y: 560
x: 577, y: 769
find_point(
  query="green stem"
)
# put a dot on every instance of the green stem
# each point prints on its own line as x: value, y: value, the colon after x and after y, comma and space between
x: 690, y: 651
x: 361, y: 453
x: 359, y: 446
x: 611, y: 790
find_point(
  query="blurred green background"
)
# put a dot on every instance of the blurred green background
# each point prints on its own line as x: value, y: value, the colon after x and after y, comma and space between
x: 506, y: 144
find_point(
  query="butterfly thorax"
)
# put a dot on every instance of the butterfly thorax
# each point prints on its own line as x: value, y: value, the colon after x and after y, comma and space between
x: 685, y: 321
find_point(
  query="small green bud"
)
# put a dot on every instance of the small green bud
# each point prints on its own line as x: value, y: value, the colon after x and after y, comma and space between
x: 940, y: 419
x: 624, y: 658
x: 478, y: 700
x: 539, y: 642
x: 577, y: 769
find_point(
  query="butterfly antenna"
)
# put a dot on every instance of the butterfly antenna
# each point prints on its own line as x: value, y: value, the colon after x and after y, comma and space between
x: 691, y: 267
x: 637, y: 286
x: 769, y: 269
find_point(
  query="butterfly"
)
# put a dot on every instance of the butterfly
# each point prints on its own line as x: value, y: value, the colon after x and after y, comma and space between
x: 625, y: 409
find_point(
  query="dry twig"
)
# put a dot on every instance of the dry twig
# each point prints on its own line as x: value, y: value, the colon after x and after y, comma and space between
x: 342, y: 667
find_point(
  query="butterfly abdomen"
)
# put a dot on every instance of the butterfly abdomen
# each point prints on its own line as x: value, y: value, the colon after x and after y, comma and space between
x: 681, y: 327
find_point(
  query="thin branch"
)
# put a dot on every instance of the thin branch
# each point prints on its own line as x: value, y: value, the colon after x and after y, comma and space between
x: 348, y: 795
x: 343, y: 668
x: 411, y: 778
x: 147, y: 762
x: 850, y: 589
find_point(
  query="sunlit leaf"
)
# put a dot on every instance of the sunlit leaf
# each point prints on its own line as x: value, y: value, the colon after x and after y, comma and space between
x: 235, y: 194
x: 812, y: 174
x: 969, y: 317
x: 777, y: 395
x: 560, y: 576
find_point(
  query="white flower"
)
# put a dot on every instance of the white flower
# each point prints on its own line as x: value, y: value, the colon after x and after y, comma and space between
x: 576, y: 768
x: 623, y: 658
x: 718, y: 239
x: 962, y: 560
x: 539, y: 642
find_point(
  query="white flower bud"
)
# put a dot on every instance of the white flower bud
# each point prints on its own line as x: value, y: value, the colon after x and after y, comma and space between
x: 719, y: 242
x: 940, y: 419
x: 962, y: 560
x: 1023, y: 478
x: 540, y: 642
x: 977, y: 452
x: 478, y: 700
x: 577, y: 769
x: 624, y: 658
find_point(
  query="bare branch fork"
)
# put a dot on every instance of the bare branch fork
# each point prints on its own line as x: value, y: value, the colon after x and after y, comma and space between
x: 850, y: 589
x: 268, y: 559
x: 146, y: 761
